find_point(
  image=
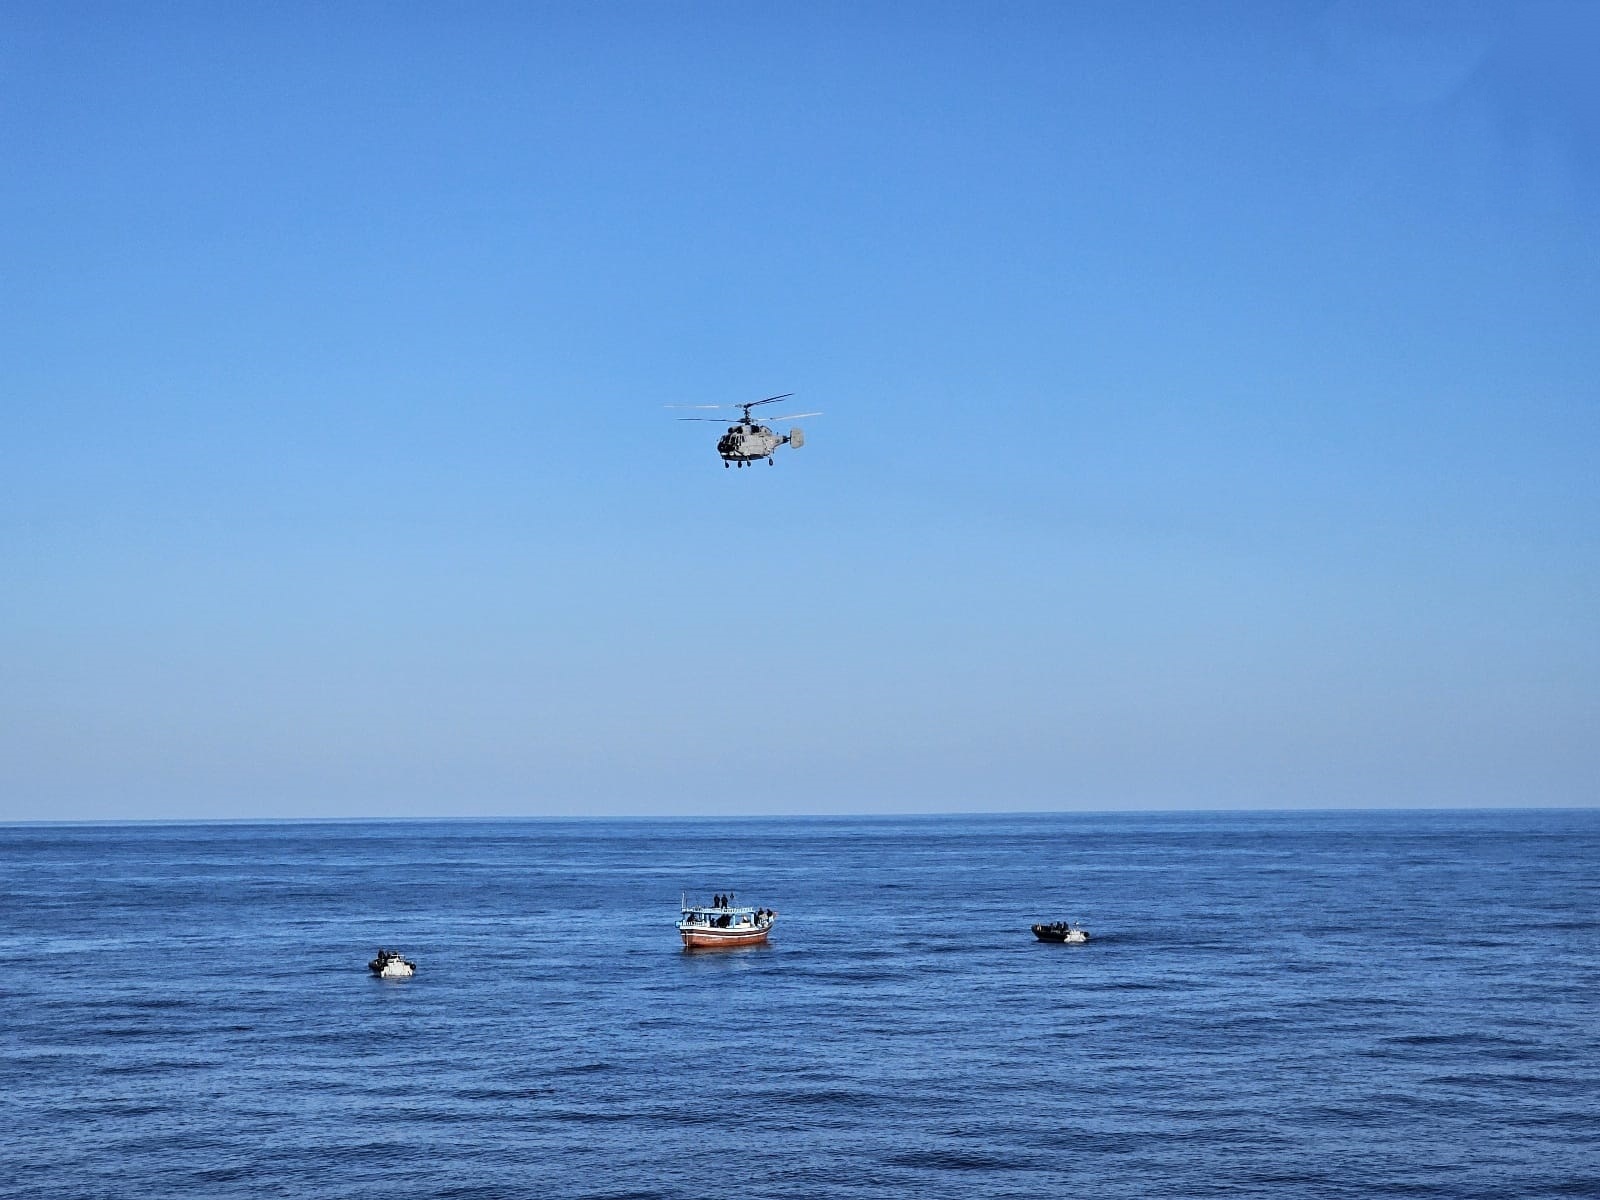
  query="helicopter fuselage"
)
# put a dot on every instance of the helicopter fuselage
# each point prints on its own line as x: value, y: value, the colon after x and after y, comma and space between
x: 748, y: 442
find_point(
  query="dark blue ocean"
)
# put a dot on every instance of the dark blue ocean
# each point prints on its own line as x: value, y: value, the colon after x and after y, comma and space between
x: 1346, y: 1004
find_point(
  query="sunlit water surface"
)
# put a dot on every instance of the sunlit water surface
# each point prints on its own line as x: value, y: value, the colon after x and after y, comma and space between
x: 1327, y: 1004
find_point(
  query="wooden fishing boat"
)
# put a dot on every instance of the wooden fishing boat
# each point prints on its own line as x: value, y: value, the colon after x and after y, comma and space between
x: 724, y: 923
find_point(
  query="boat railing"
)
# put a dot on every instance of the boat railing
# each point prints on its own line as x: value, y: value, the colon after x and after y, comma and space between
x: 685, y: 906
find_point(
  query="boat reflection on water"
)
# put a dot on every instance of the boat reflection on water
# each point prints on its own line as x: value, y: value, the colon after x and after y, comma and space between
x: 723, y: 923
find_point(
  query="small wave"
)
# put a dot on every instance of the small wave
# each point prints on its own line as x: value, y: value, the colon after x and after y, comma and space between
x: 501, y: 1093
x: 826, y: 1096
x: 581, y: 1116
x: 1470, y: 1037
x: 957, y: 1160
x: 1485, y: 1079
x: 124, y: 1109
x: 223, y: 1174
x: 160, y: 1066
x: 588, y: 1068
x: 130, y: 1031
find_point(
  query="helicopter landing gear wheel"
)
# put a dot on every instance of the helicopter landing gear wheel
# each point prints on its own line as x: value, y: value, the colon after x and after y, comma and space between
x: 769, y: 460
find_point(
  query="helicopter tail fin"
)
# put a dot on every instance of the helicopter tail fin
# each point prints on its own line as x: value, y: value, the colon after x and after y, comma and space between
x: 797, y: 438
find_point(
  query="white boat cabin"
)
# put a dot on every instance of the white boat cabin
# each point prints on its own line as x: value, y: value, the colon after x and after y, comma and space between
x: 724, y: 915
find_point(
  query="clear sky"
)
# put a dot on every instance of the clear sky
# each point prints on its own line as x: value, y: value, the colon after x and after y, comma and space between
x: 1210, y: 393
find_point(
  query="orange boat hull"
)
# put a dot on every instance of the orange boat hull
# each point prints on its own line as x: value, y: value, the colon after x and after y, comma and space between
x: 701, y: 938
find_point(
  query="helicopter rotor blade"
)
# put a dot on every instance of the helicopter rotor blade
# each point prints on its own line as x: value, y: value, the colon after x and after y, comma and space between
x: 768, y: 400
x: 790, y: 416
x: 700, y: 406
x: 711, y: 420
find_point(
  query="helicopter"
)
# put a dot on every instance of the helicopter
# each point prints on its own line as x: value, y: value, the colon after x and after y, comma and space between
x: 747, y: 440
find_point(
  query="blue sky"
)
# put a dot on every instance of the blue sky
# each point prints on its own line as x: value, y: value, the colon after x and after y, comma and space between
x: 1209, y: 390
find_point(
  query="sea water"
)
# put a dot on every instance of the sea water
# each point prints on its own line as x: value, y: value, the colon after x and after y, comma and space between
x: 1345, y: 1004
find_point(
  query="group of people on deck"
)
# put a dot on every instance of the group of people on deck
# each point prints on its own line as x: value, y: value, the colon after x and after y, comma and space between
x: 721, y: 901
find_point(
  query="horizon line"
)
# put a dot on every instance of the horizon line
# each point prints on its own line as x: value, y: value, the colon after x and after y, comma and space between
x: 751, y: 818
